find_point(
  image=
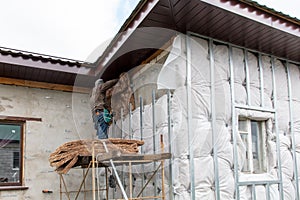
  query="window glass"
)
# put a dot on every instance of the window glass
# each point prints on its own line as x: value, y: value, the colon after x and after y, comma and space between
x: 253, y: 135
x: 246, y: 166
x: 16, y: 163
x: 10, y: 151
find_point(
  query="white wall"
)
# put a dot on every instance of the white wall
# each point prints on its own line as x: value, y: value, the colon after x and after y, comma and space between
x: 257, y: 95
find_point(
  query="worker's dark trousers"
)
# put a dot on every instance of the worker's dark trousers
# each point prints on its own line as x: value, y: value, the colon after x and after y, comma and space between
x: 101, y: 126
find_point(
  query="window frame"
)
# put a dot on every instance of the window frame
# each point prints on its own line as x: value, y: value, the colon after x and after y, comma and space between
x: 261, y: 145
x: 21, y: 154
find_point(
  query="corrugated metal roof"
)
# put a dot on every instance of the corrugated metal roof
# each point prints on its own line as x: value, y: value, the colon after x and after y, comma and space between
x: 31, y: 66
x: 272, y: 11
x: 40, y: 57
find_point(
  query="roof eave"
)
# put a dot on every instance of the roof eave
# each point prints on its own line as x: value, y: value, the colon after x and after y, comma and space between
x: 138, y: 15
x: 243, y: 9
x: 278, y: 22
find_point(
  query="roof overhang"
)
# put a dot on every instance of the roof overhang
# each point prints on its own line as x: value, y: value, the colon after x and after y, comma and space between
x: 43, y: 64
x: 21, y: 65
x: 264, y: 17
x: 154, y: 23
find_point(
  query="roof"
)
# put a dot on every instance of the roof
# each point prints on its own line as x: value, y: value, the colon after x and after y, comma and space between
x: 31, y: 66
x: 240, y: 22
x: 40, y: 57
x: 272, y: 11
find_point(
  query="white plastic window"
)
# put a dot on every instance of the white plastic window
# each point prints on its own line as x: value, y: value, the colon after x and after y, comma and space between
x: 253, y: 135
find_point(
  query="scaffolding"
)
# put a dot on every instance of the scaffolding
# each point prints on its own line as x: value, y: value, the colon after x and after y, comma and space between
x: 64, y: 187
x: 109, y: 161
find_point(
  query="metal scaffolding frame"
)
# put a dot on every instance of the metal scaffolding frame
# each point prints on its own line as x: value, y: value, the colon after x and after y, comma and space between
x: 189, y: 115
x: 114, y: 159
x: 82, y: 187
x: 276, y: 128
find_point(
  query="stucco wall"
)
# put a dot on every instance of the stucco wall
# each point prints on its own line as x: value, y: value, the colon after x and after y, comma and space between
x: 65, y: 117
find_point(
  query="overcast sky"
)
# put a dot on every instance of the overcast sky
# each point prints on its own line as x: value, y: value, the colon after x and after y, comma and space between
x: 74, y: 28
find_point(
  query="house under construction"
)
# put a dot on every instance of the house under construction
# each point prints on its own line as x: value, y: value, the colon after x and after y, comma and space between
x: 212, y: 83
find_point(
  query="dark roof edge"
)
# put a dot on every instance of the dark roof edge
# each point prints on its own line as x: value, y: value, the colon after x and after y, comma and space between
x: 272, y: 11
x: 123, y: 28
x: 42, y: 57
x: 135, y: 11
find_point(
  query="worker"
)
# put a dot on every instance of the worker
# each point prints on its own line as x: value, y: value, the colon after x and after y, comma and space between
x: 101, y: 107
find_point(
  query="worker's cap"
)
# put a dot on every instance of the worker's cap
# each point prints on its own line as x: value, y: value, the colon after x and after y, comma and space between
x: 99, y: 81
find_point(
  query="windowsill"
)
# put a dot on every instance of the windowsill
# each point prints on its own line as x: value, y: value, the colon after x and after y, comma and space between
x: 13, y: 188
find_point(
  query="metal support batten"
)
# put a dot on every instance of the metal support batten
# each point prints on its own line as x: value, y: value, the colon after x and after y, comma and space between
x: 171, y: 195
x: 154, y: 139
x: 141, y: 122
x: 189, y: 115
x: 213, y: 118
x: 247, y: 77
x: 233, y: 121
x: 130, y: 180
x: 121, y: 122
x: 122, y: 136
x: 268, y: 191
x: 142, y: 132
x: 253, y: 192
x: 261, y: 79
x: 292, y: 133
x: 153, y: 123
x: 129, y: 121
x: 277, y: 129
